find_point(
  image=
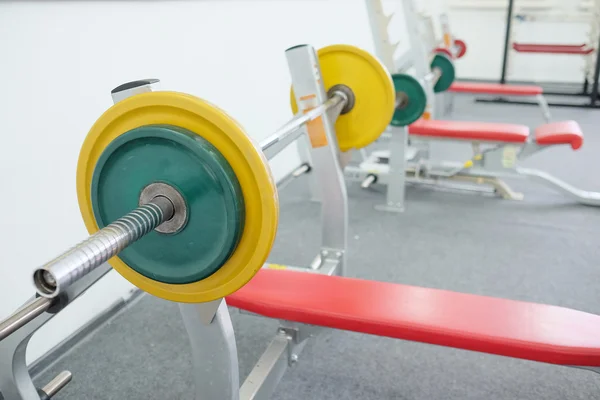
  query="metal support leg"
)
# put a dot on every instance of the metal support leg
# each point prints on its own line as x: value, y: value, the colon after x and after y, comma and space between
x: 305, y: 156
x: 15, y: 381
x: 582, y: 196
x: 283, y: 352
x: 397, y: 175
x: 544, y: 106
x: 214, y: 351
x: 310, y: 92
x: 268, y: 371
x: 363, y: 154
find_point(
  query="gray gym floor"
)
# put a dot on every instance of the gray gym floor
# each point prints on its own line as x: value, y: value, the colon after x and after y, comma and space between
x: 543, y: 249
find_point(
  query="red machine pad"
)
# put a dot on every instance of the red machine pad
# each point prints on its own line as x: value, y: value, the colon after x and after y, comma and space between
x: 495, y: 88
x: 552, y: 48
x: 564, y: 132
x: 443, y: 51
x: 473, y: 131
x: 510, y: 328
x: 461, y: 45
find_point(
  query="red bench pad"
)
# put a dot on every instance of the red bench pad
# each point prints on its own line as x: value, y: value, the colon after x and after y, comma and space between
x: 468, y: 130
x: 564, y: 132
x: 552, y: 48
x: 495, y: 88
x: 510, y: 328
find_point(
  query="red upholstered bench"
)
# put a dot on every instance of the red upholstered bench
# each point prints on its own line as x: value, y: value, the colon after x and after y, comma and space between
x: 509, y: 328
x: 469, y: 130
x: 564, y: 132
x: 495, y: 89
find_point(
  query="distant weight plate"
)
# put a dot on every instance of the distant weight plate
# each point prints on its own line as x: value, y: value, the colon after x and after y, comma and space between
x: 411, y: 97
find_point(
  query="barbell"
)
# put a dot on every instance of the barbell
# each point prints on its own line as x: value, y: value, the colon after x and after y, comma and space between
x: 181, y: 201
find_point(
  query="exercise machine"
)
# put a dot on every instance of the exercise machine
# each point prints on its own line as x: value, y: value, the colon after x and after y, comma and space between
x: 424, y: 43
x: 497, y: 147
x: 156, y: 164
x: 182, y: 202
x: 564, y: 12
x: 496, y: 92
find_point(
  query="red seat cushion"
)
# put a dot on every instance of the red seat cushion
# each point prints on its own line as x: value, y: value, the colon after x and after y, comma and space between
x: 485, y: 324
x: 468, y: 130
x: 564, y: 132
x: 495, y: 88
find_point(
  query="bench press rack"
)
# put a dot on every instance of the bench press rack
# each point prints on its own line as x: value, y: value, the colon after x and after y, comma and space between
x: 493, y: 161
x: 208, y: 324
x: 497, y: 148
x: 456, y: 48
x: 496, y: 326
x: 291, y: 337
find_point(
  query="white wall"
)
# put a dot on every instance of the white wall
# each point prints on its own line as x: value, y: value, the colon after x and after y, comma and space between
x: 59, y: 60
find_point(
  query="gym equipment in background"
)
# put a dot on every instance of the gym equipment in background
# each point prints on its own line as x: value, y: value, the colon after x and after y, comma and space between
x: 497, y: 150
x: 560, y: 12
x: 456, y: 48
x: 497, y: 147
x: 428, y: 64
x: 169, y: 133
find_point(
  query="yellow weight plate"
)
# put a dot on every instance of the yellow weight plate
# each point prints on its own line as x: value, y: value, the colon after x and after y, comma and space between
x: 244, y: 156
x: 373, y: 90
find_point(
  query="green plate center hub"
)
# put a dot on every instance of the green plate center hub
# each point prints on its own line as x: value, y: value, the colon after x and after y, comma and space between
x: 411, y: 100
x: 194, y: 167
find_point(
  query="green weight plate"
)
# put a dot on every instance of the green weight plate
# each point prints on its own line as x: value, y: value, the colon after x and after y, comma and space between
x: 411, y: 100
x: 445, y: 64
x: 207, y: 183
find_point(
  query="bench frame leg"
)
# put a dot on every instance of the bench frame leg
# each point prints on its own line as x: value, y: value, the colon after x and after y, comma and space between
x: 397, y: 166
x: 282, y: 353
x: 544, y: 106
x: 214, y: 351
x: 307, y: 83
x: 490, y: 167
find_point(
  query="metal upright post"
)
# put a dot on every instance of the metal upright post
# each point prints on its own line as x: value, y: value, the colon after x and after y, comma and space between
x: 509, y: 19
x: 310, y: 93
x: 594, y: 94
x: 15, y: 381
x: 379, y: 22
x: 420, y: 56
x: 306, y: 157
x: 396, y: 185
x: 214, y: 352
